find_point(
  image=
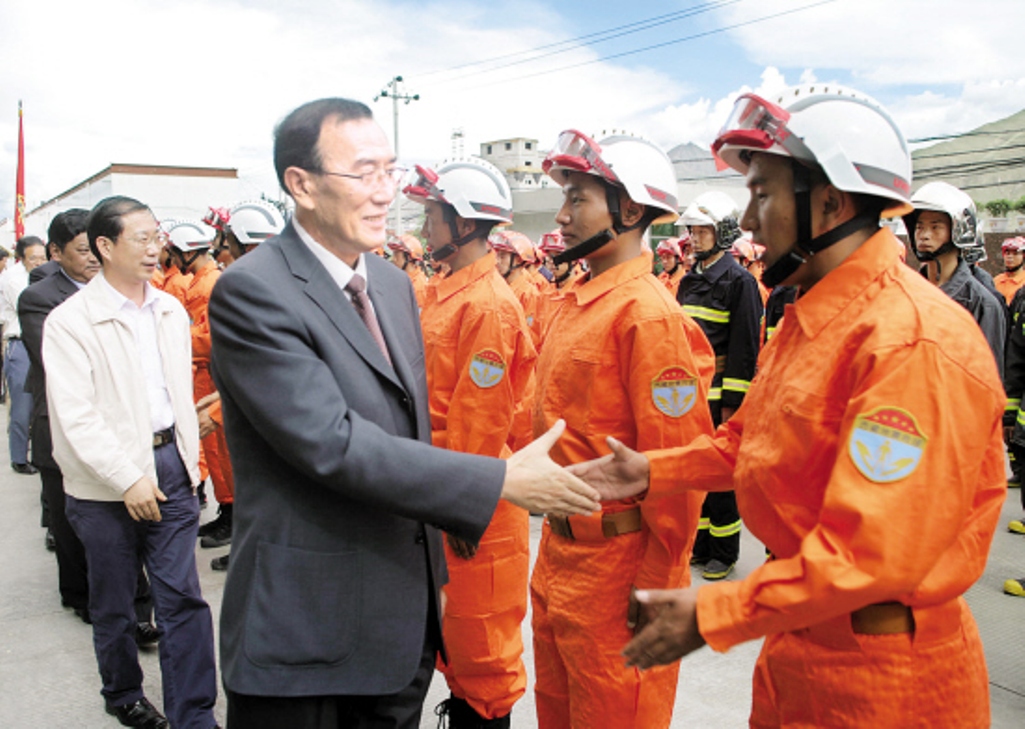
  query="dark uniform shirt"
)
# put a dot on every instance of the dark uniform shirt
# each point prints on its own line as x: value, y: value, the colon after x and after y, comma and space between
x: 775, y: 306
x: 724, y: 299
x: 966, y: 290
x: 1014, y: 367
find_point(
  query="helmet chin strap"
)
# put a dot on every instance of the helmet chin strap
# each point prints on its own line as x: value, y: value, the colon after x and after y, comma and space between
x: 1013, y: 270
x: 595, y: 242
x: 457, y: 241
x: 807, y: 246
x: 701, y: 256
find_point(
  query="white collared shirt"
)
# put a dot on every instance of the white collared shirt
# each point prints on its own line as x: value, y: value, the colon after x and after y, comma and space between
x: 14, y: 281
x: 340, y: 271
x: 142, y: 323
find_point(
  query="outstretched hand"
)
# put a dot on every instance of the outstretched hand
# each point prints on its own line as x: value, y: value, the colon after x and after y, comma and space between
x: 672, y: 634
x: 535, y: 482
x: 618, y: 475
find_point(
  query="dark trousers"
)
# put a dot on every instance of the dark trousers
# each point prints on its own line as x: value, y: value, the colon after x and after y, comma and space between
x: 393, y: 711
x: 114, y: 546
x: 719, y: 530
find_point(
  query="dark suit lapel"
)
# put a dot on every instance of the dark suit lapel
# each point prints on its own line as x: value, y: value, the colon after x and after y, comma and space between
x: 322, y: 289
x: 64, y: 285
x: 390, y: 316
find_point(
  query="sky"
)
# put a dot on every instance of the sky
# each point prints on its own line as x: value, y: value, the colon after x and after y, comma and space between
x: 203, y: 82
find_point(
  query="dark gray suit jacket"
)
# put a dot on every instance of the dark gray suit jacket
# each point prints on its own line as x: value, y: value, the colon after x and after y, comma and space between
x: 34, y: 305
x: 333, y: 558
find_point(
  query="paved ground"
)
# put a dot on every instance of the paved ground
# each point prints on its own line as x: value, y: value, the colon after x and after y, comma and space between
x: 48, y: 673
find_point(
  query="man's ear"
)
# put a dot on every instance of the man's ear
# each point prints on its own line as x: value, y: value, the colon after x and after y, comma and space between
x: 629, y: 211
x: 300, y: 185
x: 833, y: 205
x: 465, y: 226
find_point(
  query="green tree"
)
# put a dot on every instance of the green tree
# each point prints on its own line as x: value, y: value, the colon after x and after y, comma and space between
x: 1019, y: 205
x: 999, y: 208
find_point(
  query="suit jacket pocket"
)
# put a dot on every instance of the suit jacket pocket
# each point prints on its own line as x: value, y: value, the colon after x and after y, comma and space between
x: 303, y: 607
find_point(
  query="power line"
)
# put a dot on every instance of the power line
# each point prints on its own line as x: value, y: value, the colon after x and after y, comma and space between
x: 654, y: 46
x: 967, y: 151
x: 958, y: 135
x: 582, y: 41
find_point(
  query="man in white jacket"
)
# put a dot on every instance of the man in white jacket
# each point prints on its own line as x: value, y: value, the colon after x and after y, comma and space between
x: 126, y: 436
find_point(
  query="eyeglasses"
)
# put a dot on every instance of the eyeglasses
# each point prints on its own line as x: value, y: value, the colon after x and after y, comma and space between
x: 392, y: 175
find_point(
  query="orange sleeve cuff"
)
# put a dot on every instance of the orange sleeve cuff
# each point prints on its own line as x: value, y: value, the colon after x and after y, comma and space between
x: 721, y: 616
x: 664, y: 469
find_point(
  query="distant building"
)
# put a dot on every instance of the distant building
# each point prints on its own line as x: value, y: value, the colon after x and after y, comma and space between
x: 520, y: 160
x: 171, y: 192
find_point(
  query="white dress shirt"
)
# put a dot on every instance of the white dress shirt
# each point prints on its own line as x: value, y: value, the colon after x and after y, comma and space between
x: 340, y: 271
x: 12, y: 283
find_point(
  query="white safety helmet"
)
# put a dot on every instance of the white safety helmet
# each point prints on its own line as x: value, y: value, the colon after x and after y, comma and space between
x: 476, y: 189
x: 255, y: 221
x: 632, y: 163
x: 846, y: 133
x: 718, y: 210
x: 942, y: 197
x: 190, y: 235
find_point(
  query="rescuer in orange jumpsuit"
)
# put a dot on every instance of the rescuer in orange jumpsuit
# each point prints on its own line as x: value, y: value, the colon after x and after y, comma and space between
x: 190, y: 244
x: 480, y: 365
x: 670, y: 253
x: 172, y: 280
x: 563, y: 274
x: 408, y: 254
x: 849, y: 455
x: 619, y: 355
x: 1013, y: 277
x: 515, y: 254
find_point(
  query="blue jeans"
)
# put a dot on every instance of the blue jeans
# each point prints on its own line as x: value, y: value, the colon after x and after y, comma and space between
x: 114, y: 545
x: 16, y: 370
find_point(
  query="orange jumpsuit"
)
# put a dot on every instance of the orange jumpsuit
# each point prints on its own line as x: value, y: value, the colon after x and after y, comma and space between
x: 672, y: 283
x: 622, y: 359
x: 419, y: 280
x: 214, y: 446
x: 174, y: 282
x: 868, y: 457
x: 530, y: 299
x: 1009, y: 283
x: 480, y: 364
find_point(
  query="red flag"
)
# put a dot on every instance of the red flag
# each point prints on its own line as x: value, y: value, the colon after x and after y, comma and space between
x: 19, y: 205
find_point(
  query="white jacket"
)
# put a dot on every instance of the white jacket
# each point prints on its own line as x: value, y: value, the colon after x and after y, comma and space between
x: 96, y: 391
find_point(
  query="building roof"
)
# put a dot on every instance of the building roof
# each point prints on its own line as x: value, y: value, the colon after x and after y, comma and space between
x: 133, y: 169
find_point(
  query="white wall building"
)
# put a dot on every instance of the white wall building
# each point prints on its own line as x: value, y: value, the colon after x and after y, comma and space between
x: 171, y: 192
x: 520, y: 160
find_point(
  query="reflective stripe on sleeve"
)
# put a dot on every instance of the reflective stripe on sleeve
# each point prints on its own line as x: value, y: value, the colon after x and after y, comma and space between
x: 703, y: 312
x: 715, y: 393
x: 733, y: 385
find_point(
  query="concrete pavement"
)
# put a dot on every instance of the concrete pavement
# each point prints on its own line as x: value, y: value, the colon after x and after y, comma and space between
x: 48, y: 674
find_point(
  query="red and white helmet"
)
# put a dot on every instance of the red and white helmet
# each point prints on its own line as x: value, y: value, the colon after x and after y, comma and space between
x: 551, y: 243
x: 849, y: 135
x: 717, y: 210
x: 255, y: 221
x: 634, y: 164
x: 1014, y: 245
x: 513, y: 242
x: 475, y: 188
x: 190, y: 235
x: 743, y: 250
x: 669, y: 245
x: 408, y: 244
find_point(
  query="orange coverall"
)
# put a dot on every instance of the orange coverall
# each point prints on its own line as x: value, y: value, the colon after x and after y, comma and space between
x: 480, y: 364
x: 672, y: 283
x: 173, y: 282
x: 419, y: 280
x: 868, y: 457
x: 214, y: 446
x: 622, y: 359
x: 1009, y: 283
x: 530, y: 299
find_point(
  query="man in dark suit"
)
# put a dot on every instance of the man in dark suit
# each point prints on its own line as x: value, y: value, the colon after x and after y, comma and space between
x: 75, y: 267
x: 331, y: 608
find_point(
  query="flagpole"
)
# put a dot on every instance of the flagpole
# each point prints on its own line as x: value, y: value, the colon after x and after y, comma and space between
x: 19, y: 201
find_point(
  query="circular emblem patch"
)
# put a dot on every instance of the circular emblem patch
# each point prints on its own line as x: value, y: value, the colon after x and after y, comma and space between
x: 487, y: 368
x: 674, y: 391
x: 886, y: 444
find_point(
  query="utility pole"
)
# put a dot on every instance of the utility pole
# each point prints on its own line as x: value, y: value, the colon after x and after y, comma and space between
x: 396, y: 95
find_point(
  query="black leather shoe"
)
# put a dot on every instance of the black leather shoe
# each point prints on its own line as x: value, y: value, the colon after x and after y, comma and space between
x: 51, y: 541
x: 146, y: 634
x: 220, y: 564
x: 26, y: 469
x: 141, y: 714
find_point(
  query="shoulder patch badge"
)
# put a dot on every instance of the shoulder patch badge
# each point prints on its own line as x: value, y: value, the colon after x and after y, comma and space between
x: 487, y: 368
x: 674, y: 391
x: 886, y: 444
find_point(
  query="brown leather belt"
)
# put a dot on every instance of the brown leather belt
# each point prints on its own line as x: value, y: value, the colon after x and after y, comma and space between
x: 720, y: 364
x: 163, y: 437
x: 884, y: 618
x: 612, y: 524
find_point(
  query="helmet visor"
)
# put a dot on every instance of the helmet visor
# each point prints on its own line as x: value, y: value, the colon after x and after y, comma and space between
x: 759, y: 124
x: 577, y: 151
x: 425, y: 186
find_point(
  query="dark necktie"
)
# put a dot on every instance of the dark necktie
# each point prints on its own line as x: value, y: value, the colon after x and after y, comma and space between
x: 357, y: 288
